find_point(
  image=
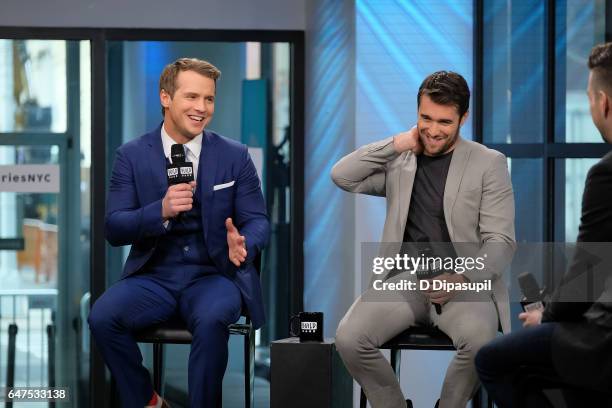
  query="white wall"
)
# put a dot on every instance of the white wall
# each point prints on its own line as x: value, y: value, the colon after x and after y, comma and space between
x: 207, y: 14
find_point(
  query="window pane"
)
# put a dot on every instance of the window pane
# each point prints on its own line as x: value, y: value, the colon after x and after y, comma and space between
x: 514, y: 83
x: 33, y: 91
x: 29, y: 292
x: 46, y: 284
x: 582, y: 24
x: 575, y: 173
x: 528, y: 184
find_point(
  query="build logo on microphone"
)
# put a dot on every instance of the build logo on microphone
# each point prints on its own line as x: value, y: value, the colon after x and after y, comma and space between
x: 179, y: 173
x: 173, y: 174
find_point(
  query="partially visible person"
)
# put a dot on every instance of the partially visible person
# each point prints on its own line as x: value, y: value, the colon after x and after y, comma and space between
x: 569, y: 340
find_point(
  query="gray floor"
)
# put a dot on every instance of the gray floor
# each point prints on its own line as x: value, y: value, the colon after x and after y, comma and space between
x: 233, y: 392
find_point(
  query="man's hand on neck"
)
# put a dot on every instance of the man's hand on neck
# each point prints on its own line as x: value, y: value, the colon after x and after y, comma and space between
x: 409, y: 140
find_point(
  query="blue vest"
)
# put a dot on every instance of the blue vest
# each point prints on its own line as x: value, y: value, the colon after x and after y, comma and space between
x: 183, y: 247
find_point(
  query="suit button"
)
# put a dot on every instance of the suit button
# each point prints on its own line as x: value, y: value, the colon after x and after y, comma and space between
x: 186, y: 248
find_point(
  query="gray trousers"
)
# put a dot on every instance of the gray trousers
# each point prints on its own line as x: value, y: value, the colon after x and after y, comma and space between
x: 369, y: 324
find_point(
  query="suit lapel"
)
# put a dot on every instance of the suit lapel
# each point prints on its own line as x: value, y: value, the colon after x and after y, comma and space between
x: 207, y: 167
x: 406, y: 182
x: 461, y: 156
x: 157, y: 161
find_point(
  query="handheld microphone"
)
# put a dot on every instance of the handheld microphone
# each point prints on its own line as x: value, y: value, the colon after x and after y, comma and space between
x: 180, y: 170
x: 533, y: 297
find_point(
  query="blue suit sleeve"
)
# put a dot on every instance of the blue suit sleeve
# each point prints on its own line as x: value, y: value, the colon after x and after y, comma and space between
x: 127, y: 222
x: 250, y: 210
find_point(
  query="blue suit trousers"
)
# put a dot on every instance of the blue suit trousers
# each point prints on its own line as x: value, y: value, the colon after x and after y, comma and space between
x: 208, y: 303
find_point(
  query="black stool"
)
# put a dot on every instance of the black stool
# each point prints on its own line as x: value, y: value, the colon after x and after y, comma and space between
x: 175, y: 332
x: 419, y: 338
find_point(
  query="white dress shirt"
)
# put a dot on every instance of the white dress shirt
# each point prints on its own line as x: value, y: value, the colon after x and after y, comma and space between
x: 192, y: 149
x: 192, y: 154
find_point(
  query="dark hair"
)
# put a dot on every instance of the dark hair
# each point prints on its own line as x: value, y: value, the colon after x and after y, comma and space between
x: 600, y: 62
x: 446, y: 88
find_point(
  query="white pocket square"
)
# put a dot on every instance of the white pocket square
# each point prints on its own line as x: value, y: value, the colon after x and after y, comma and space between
x: 224, y: 185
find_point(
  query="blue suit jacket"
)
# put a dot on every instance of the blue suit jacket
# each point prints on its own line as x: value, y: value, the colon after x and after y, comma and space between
x: 134, y: 208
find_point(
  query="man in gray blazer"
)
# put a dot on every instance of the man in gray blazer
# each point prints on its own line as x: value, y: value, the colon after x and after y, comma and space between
x: 438, y: 188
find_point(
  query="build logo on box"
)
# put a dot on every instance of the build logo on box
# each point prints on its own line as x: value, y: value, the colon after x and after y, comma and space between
x: 309, y: 327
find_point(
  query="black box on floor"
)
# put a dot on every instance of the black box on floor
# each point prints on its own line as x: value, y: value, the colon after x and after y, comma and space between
x: 308, y: 375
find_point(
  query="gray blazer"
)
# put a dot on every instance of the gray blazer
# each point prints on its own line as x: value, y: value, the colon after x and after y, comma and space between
x: 478, y: 202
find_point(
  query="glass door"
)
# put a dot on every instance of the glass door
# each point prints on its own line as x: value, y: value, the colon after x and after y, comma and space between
x: 44, y: 215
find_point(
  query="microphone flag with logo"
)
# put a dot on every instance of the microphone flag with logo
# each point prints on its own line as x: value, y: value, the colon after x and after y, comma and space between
x: 533, y: 296
x: 180, y: 170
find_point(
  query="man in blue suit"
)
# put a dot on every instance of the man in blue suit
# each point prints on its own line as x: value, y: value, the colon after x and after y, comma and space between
x: 193, y: 245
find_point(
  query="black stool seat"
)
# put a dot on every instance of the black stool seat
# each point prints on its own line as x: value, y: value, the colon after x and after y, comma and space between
x: 174, y: 331
x: 170, y: 332
x: 420, y: 338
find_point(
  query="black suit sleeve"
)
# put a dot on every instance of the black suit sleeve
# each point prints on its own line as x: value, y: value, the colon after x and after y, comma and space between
x: 595, y: 226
